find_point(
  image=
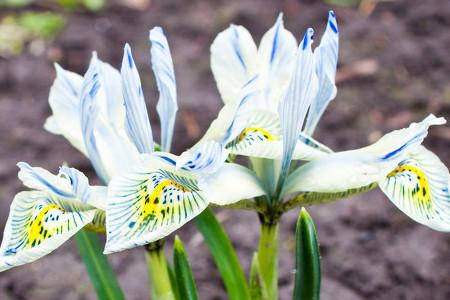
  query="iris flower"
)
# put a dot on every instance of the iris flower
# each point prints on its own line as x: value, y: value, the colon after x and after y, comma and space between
x: 274, y: 97
x: 42, y: 219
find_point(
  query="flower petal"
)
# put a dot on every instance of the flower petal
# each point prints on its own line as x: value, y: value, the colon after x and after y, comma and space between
x: 231, y: 183
x: 205, y: 158
x: 137, y: 122
x: 233, y: 61
x: 276, y: 57
x: 419, y: 186
x: 165, y: 78
x: 37, y: 225
x: 302, y: 90
x: 89, y: 115
x: 64, y: 100
x: 341, y: 171
x: 326, y: 55
x: 150, y: 202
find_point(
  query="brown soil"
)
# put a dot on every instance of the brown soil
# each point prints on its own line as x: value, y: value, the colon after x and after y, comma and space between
x: 394, y: 68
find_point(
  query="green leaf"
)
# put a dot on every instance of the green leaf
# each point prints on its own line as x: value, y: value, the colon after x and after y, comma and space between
x: 258, y: 289
x: 183, y: 272
x: 43, y: 24
x: 100, y: 272
x: 224, y: 255
x: 173, y: 281
x: 307, y: 265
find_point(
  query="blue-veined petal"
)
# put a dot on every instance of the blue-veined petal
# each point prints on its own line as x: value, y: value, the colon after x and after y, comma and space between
x: 233, y: 61
x: 302, y: 89
x: 165, y: 78
x: 206, y: 158
x: 37, y: 225
x: 89, y: 115
x: 276, y: 58
x: 137, y: 122
x: 149, y: 202
x: 326, y: 55
x: 64, y: 100
x: 419, y: 187
x: 341, y: 171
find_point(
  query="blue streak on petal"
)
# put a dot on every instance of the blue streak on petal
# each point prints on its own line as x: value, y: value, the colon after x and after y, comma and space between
x: 163, y: 70
x: 137, y: 122
x: 279, y: 22
x: 236, y: 46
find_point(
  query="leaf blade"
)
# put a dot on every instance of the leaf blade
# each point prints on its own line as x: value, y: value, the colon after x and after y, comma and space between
x: 100, y: 272
x: 183, y: 273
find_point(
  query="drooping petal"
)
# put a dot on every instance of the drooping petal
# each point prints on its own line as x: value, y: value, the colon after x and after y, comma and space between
x: 229, y: 184
x: 398, y: 142
x: 89, y: 115
x: 341, y: 171
x: 295, y: 104
x: 36, y: 226
x: 276, y: 58
x: 64, y: 100
x: 165, y: 78
x: 233, y: 61
x: 326, y: 55
x: 137, y: 122
x: 203, y: 159
x: 149, y: 202
x: 419, y: 186
x: 70, y: 183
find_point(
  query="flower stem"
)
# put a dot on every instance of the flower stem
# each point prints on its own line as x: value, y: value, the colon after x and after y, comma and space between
x: 268, y: 257
x: 158, y: 272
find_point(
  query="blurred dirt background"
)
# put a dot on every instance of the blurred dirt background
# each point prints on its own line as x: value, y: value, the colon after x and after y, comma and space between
x: 394, y: 68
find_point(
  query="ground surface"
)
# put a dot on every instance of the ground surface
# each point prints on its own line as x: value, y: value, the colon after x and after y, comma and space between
x: 394, y: 68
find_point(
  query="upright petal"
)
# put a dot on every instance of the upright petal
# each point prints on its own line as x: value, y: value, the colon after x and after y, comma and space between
x: 419, y: 187
x: 89, y: 115
x: 165, y: 78
x: 293, y: 108
x: 137, y: 122
x: 149, y: 202
x: 233, y: 61
x: 37, y: 225
x: 64, y: 100
x: 326, y: 55
x: 276, y: 58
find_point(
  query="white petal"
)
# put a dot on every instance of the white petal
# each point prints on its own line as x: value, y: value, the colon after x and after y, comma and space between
x: 233, y: 61
x: 165, y: 78
x: 230, y: 184
x: 419, y: 187
x: 64, y: 100
x: 341, y: 171
x: 205, y: 158
x: 148, y: 203
x: 326, y: 55
x: 276, y: 58
x: 36, y: 226
x: 89, y: 115
x: 137, y: 122
x: 295, y: 104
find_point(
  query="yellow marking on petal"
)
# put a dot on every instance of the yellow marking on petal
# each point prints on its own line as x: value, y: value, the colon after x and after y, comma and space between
x: 267, y: 135
x: 151, y: 205
x: 421, y: 193
x: 37, y: 231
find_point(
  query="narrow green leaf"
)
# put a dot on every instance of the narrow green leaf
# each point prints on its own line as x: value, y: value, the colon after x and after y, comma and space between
x: 224, y: 255
x: 173, y: 281
x: 183, y: 272
x: 100, y: 272
x: 258, y: 289
x: 307, y: 265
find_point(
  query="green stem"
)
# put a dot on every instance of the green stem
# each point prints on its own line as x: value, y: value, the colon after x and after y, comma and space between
x: 268, y: 258
x: 158, y: 272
